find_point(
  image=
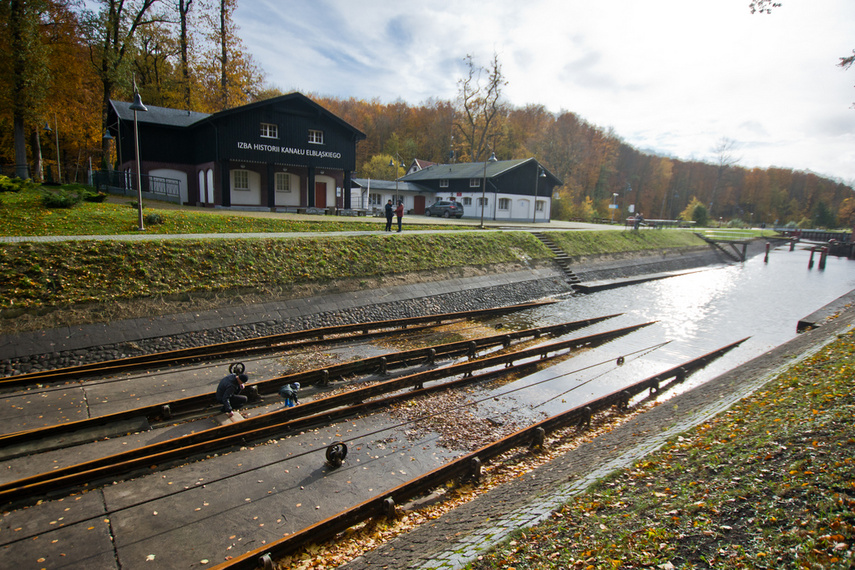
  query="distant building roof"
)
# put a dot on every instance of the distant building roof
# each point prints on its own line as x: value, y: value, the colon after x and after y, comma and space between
x: 468, y: 170
x: 388, y: 185
x: 419, y: 164
x: 464, y: 170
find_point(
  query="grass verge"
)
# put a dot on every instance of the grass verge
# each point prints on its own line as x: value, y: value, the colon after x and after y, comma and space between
x: 40, y: 276
x: 768, y: 484
x: 22, y: 214
x: 61, y: 273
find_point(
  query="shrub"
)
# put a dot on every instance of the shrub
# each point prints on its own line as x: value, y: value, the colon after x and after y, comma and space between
x: 15, y: 184
x: 153, y: 219
x: 92, y: 196
x: 60, y: 199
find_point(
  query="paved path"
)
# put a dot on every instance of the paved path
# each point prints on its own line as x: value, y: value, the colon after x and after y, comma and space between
x: 413, y: 225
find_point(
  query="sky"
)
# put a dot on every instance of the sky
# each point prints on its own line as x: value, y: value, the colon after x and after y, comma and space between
x: 670, y: 77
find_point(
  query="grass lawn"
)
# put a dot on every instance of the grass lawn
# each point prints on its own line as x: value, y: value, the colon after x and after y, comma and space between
x: 22, y: 214
x: 768, y: 484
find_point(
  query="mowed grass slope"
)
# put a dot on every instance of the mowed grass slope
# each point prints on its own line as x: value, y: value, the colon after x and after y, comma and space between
x: 36, y: 275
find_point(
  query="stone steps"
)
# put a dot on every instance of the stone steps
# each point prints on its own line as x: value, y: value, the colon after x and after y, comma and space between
x: 561, y: 259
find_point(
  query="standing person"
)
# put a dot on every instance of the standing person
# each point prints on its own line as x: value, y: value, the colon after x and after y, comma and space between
x: 389, y: 213
x: 399, y: 211
x: 228, y: 393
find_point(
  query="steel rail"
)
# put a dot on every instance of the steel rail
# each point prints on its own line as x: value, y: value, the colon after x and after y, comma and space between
x: 160, y: 455
x: 468, y: 465
x: 62, y: 435
x: 244, y: 347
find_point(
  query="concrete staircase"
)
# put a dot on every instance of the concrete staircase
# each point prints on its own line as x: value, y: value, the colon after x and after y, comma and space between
x: 562, y: 260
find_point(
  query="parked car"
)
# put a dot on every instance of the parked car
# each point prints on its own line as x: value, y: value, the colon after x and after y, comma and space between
x: 445, y: 209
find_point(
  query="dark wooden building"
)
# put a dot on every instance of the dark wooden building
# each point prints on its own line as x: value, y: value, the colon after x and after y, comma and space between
x: 286, y: 153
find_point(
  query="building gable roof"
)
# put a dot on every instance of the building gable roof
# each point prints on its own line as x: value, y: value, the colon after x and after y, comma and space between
x: 182, y: 118
x: 299, y: 101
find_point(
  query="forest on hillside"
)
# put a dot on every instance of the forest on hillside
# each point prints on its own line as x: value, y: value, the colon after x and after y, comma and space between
x: 68, y: 59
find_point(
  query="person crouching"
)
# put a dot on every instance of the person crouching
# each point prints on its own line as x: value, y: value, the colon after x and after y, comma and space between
x: 229, y: 393
x: 289, y: 394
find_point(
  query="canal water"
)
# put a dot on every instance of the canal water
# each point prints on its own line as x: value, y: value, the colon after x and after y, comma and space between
x: 692, y: 314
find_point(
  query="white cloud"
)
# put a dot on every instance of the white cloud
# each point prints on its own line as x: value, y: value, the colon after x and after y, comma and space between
x: 670, y: 75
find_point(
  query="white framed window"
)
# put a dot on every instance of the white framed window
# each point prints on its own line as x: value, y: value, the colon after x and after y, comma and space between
x: 467, y: 201
x: 375, y: 199
x: 483, y: 201
x: 538, y: 206
x: 242, y: 180
x: 283, y: 182
x: 504, y: 204
x: 316, y: 137
x: 269, y: 131
x: 474, y: 182
x: 443, y: 183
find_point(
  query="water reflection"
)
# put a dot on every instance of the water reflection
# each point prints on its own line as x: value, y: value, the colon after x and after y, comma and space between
x: 695, y: 314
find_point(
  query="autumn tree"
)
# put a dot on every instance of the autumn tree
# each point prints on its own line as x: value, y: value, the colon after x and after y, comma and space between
x: 725, y: 159
x: 154, y: 66
x: 184, y: 10
x: 24, y: 70
x: 110, y: 33
x: 377, y: 168
x: 479, y: 110
x: 228, y: 75
x: 763, y: 6
x: 695, y: 212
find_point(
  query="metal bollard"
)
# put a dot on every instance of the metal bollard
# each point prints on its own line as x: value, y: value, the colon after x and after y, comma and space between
x: 585, y: 420
x: 473, y: 349
x: 475, y: 469
x: 389, y: 507
x: 537, y: 439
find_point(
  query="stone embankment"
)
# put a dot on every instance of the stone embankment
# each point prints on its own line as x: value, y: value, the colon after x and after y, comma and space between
x: 491, y: 293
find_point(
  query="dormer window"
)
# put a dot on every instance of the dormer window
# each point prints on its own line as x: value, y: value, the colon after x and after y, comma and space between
x: 316, y: 137
x: 443, y: 182
x: 269, y: 131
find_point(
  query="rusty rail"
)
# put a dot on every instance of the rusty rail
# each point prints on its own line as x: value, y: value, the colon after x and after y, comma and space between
x: 62, y: 435
x: 160, y: 455
x: 246, y: 347
x: 468, y: 465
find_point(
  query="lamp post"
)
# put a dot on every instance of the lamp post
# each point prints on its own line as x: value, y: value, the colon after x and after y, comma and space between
x: 395, y: 166
x: 108, y: 140
x: 484, y: 186
x: 137, y: 105
x: 540, y: 174
x: 613, y: 205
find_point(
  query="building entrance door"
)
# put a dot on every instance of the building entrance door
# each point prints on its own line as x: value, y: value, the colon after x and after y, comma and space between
x: 320, y: 194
